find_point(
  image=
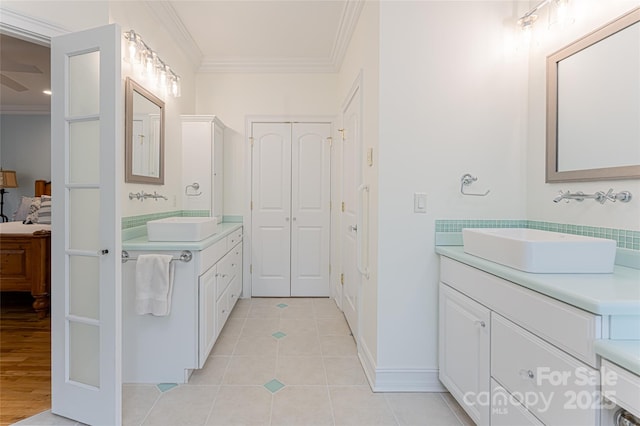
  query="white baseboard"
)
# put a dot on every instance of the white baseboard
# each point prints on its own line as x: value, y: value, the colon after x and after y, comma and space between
x: 398, y: 379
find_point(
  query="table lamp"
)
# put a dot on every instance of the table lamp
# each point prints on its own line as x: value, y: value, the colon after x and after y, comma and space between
x: 7, y: 180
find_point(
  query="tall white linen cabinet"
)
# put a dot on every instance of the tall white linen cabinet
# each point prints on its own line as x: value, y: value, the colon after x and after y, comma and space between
x: 203, y: 164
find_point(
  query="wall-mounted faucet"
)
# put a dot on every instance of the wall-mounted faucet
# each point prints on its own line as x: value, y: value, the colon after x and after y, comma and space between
x: 144, y: 195
x: 600, y: 196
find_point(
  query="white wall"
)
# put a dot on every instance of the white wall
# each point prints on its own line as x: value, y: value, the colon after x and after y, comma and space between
x: 233, y: 97
x: 137, y: 16
x: 362, y: 58
x: 452, y: 101
x: 588, y: 15
x: 25, y: 146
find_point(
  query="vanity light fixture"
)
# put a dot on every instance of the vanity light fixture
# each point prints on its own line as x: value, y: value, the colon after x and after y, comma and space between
x: 527, y: 20
x: 155, y: 70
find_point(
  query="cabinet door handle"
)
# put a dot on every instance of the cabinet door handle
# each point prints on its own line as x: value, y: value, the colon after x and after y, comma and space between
x: 481, y: 324
x: 527, y: 374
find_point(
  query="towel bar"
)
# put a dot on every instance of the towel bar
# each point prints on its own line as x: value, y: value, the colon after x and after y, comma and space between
x: 185, y: 256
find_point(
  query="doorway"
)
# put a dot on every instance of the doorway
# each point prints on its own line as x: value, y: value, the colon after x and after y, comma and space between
x: 290, y: 208
x: 25, y: 373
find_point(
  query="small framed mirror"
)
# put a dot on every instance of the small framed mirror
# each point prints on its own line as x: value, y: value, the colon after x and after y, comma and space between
x: 144, y: 135
x: 593, y: 105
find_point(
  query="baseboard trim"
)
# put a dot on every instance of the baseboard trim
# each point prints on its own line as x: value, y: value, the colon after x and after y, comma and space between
x: 398, y: 379
x: 407, y: 380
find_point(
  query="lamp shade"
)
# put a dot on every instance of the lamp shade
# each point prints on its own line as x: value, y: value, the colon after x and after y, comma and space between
x: 8, y: 179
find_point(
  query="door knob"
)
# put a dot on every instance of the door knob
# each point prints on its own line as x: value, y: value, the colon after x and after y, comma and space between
x: 287, y: 219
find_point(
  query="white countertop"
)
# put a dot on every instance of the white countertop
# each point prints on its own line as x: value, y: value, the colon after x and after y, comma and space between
x: 625, y: 353
x: 140, y: 242
x: 603, y: 294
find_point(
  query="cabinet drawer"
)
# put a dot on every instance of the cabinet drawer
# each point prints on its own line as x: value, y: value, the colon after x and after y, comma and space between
x: 534, y: 311
x: 621, y: 386
x: 506, y: 411
x: 212, y: 254
x: 555, y: 387
x: 225, y: 273
x: 233, y: 292
x: 234, y: 238
x: 222, y: 309
x: 236, y: 260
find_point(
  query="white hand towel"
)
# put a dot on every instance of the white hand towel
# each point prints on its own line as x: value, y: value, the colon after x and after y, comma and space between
x: 154, y: 284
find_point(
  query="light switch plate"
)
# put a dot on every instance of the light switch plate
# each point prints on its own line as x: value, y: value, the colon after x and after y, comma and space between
x: 419, y: 202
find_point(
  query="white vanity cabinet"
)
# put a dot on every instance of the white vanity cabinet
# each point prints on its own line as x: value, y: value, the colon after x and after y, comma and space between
x: 166, y: 349
x: 203, y: 163
x: 508, y: 353
x: 216, y: 294
x: 464, y: 350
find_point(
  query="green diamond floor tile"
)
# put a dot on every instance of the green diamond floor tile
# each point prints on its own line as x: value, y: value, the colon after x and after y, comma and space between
x: 166, y: 386
x: 273, y: 386
x: 278, y: 334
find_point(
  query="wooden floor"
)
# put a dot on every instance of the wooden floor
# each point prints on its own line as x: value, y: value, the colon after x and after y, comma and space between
x: 25, y: 359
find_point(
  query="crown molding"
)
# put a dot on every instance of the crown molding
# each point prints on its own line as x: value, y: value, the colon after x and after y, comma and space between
x: 348, y: 23
x: 27, y: 28
x: 331, y: 64
x: 25, y: 109
x: 168, y: 18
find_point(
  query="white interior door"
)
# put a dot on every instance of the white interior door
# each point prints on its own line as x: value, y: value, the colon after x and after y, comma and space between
x: 86, y: 171
x: 351, y: 179
x: 310, y: 209
x: 271, y: 214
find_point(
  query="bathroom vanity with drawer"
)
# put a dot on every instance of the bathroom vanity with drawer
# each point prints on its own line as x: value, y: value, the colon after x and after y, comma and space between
x: 166, y: 349
x: 521, y: 348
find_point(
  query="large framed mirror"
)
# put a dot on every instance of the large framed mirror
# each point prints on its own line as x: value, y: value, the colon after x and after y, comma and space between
x: 144, y: 135
x: 593, y: 105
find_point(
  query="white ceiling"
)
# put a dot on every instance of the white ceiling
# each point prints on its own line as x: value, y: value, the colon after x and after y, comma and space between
x: 25, y: 72
x: 261, y: 35
x: 217, y: 36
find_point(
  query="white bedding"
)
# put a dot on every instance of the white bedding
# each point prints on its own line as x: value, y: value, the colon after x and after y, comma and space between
x: 20, y: 228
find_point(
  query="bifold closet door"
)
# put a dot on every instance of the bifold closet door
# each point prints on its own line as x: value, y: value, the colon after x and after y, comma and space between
x: 310, y: 209
x: 271, y: 214
x: 291, y: 210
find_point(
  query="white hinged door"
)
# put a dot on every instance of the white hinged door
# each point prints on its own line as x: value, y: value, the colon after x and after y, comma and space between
x: 86, y: 172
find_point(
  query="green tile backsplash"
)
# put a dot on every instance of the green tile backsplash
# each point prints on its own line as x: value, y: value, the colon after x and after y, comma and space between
x: 134, y: 221
x: 625, y: 238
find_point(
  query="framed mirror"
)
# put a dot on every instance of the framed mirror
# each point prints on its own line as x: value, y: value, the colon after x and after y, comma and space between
x: 144, y: 135
x: 593, y: 105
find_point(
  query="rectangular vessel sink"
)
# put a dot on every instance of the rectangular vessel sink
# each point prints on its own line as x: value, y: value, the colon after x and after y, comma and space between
x: 533, y: 250
x: 181, y: 228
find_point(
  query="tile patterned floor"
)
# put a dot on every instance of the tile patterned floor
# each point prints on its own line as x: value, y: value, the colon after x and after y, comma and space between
x: 280, y: 362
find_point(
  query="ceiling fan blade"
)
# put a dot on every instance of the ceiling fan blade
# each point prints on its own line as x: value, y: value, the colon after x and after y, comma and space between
x: 12, y: 84
x: 8, y: 65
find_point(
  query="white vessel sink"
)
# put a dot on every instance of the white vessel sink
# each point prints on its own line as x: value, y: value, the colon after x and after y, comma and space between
x: 533, y: 250
x: 181, y: 228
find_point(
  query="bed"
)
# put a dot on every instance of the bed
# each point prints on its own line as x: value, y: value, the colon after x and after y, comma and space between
x: 25, y: 257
